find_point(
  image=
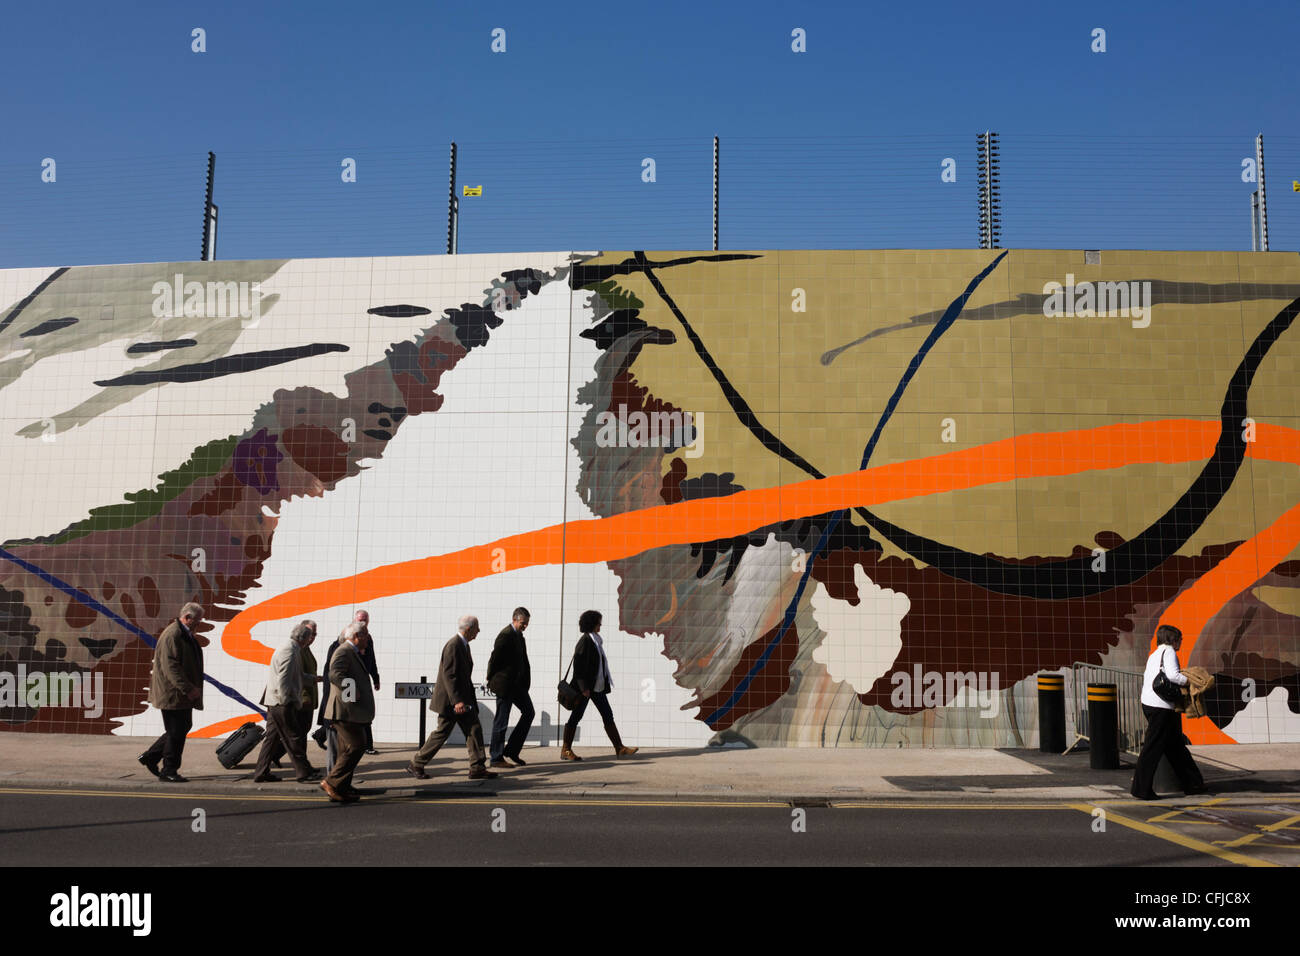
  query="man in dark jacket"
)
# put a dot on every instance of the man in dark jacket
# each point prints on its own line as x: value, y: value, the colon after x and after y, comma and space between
x: 175, y: 688
x: 455, y: 704
x: 509, y: 677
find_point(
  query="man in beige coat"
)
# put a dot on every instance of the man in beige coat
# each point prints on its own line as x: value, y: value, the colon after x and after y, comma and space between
x: 283, y: 699
x: 351, y: 706
x: 175, y: 688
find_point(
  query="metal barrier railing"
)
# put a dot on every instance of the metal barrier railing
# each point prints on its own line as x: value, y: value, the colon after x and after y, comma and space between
x: 1128, y: 685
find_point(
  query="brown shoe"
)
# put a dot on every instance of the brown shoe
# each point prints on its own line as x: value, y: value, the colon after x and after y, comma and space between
x: 331, y: 792
x: 416, y: 772
x: 566, y: 749
x: 617, y: 741
x: 483, y: 774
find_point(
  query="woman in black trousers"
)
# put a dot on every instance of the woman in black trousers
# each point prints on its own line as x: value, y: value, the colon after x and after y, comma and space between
x: 1164, y: 737
x: 591, y: 676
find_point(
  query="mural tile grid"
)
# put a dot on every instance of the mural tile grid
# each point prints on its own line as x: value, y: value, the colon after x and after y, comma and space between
x: 842, y: 498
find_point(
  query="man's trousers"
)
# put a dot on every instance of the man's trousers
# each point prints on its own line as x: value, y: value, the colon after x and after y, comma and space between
x: 469, y: 725
x: 500, y: 747
x: 282, y: 737
x: 352, y: 746
x: 171, y: 745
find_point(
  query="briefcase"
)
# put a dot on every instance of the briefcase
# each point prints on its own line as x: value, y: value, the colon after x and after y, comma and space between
x: 239, y: 744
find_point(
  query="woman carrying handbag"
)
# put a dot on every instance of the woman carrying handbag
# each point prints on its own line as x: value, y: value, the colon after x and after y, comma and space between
x: 1162, y: 705
x: 592, y: 678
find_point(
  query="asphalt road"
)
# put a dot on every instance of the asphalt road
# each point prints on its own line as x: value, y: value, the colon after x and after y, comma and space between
x: 83, y: 828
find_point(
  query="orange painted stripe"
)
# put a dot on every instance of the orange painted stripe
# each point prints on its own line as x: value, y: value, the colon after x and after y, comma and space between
x: 223, y: 726
x: 1275, y: 443
x: 591, y: 541
x: 1202, y: 730
x: 1249, y: 561
x: 1194, y: 608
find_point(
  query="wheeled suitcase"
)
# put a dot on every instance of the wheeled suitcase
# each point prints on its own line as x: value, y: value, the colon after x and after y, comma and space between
x: 239, y: 744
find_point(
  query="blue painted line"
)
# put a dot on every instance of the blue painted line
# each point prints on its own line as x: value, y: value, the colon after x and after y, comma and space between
x: 942, y: 326
x: 91, y: 603
x: 787, y: 621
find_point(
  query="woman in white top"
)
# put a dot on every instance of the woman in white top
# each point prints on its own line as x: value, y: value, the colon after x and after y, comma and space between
x: 592, y: 677
x: 1164, y: 737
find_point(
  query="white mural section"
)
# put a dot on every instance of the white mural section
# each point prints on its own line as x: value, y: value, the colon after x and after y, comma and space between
x: 494, y: 461
x: 1266, y: 720
x: 861, y: 640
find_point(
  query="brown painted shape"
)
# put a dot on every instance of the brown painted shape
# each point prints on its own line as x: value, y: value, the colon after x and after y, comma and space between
x: 768, y: 686
x: 317, y: 451
x: 956, y: 626
x: 227, y: 493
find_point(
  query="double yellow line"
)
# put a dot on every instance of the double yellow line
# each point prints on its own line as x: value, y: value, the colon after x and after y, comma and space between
x: 1224, y: 852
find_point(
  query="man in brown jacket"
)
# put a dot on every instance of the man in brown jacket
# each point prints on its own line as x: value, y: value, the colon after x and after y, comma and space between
x: 351, y: 706
x: 175, y: 688
x: 456, y: 705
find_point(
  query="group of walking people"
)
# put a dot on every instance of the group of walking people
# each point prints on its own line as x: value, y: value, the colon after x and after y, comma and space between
x: 346, y: 709
x: 345, y: 705
x: 509, y: 677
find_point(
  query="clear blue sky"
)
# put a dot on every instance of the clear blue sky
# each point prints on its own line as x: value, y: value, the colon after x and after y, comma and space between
x: 838, y: 146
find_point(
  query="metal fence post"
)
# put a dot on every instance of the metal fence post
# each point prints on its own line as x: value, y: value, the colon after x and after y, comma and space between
x: 208, y: 251
x: 453, y: 207
x: 715, y: 194
x: 1263, y: 195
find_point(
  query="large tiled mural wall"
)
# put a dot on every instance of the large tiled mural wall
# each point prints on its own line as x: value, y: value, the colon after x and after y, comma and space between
x: 852, y: 498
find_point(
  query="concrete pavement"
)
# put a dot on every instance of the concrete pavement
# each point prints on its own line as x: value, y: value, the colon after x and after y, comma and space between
x: 809, y: 776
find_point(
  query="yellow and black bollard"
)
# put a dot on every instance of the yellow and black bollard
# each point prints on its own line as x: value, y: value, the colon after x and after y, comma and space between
x: 1051, y: 713
x: 1103, y: 727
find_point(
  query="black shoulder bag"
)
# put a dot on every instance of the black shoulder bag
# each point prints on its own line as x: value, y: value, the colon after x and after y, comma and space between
x: 567, y: 694
x: 1166, y: 689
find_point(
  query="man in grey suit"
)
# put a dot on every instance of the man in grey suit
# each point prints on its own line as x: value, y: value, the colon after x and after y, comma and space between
x: 456, y: 705
x: 283, y: 699
x: 351, y: 706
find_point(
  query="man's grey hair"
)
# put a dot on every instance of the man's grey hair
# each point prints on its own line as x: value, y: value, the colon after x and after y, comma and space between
x: 466, y: 622
x: 352, y: 630
x: 192, y: 610
x: 302, y: 631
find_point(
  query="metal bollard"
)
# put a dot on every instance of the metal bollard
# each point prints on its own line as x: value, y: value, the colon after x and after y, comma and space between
x: 1051, y: 713
x: 1103, y: 727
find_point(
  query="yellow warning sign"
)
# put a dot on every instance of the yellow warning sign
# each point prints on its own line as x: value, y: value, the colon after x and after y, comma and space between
x: 472, y: 190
